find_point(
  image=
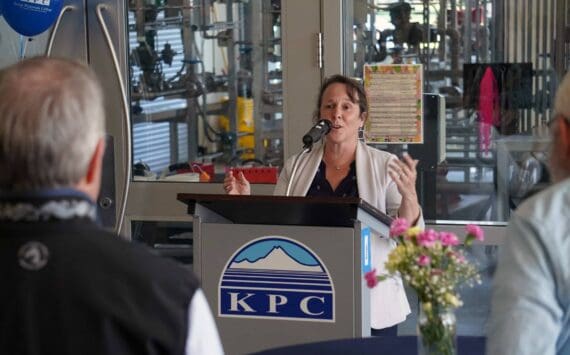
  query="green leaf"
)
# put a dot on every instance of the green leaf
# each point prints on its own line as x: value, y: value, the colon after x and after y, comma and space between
x: 382, y: 277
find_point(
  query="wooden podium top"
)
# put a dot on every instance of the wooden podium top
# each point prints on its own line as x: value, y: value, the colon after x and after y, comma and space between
x: 283, y: 210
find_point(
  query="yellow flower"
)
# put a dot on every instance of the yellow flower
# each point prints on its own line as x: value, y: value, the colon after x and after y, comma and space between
x: 413, y: 232
x: 452, y: 299
x: 435, y: 285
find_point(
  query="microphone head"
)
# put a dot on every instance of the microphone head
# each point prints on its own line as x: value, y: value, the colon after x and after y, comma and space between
x: 320, y: 129
x: 327, y: 125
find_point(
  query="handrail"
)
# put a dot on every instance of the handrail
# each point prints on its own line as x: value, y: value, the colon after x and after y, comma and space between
x: 56, y: 27
x: 127, y: 124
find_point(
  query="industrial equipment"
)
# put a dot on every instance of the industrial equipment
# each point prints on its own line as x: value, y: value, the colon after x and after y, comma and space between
x: 208, y: 75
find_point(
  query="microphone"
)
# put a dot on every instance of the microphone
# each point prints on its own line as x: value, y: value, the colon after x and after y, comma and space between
x: 318, y: 131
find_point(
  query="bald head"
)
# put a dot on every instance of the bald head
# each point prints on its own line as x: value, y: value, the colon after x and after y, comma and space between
x: 559, y: 160
x: 51, y: 119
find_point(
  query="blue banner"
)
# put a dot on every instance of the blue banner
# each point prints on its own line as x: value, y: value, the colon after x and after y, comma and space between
x: 365, y: 250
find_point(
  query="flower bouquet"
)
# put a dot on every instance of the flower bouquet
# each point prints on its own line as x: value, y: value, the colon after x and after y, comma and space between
x: 431, y: 263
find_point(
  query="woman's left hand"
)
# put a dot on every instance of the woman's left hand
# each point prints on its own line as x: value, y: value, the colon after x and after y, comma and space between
x: 404, y: 174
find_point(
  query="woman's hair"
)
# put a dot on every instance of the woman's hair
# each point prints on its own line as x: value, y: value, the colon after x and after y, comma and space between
x: 354, y: 90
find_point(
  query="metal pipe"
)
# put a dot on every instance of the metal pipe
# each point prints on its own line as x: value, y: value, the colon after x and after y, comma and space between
x: 426, y: 49
x: 453, y: 14
x: 154, y: 94
x: 468, y: 31
x: 507, y: 31
x: 545, y: 57
x: 189, y: 45
x: 476, y: 31
x: 454, y: 37
x: 232, y: 79
x: 517, y: 35
x: 139, y: 19
x: 442, y: 26
x: 531, y: 27
x: 485, y: 35
x: 560, y: 28
x: 492, y: 26
x: 56, y: 27
x: 528, y: 32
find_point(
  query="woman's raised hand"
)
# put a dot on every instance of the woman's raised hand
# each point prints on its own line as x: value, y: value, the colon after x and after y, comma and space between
x: 236, y: 186
x: 404, y: 174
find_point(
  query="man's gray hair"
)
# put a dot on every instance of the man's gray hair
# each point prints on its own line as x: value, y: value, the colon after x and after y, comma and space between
x: 51, y: 118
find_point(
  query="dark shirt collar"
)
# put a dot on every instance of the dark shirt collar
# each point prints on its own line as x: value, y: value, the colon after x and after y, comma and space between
x: 321, y: 187
x: 44, y: 194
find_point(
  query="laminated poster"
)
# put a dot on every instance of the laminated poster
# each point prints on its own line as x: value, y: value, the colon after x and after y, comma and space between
x: 395, y: 107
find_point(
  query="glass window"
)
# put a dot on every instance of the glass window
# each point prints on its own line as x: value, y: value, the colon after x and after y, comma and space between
x: 205, y: 88
x: 496, y: 65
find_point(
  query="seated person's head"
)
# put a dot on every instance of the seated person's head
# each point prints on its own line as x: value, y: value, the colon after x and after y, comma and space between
x: 51, y: 126
x: 400, y: 13
x: 559, y: 157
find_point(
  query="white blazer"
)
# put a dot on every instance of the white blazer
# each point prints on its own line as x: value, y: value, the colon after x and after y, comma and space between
x: 389, y: 304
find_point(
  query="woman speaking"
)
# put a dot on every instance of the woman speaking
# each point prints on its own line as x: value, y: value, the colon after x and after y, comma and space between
x: 346, y: 167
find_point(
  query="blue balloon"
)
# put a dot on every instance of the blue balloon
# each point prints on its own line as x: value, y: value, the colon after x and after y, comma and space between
x: 31, y: 17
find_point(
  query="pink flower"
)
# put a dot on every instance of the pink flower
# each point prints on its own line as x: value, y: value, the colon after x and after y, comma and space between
x: 475, y: 231
x: 457, y: 256
x: 427, y: 238
x: 460, y: 258
x: 399, y: 227
x: 448, y: 238
x: 424, y: 260
x: 370, y: 277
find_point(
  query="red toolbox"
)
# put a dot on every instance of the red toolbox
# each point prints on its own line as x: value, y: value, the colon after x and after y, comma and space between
x: 258, y: 174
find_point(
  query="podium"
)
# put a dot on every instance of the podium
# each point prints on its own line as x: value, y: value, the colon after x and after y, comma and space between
x: 279, y: 271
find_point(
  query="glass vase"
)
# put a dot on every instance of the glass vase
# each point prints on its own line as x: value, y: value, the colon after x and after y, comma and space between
x: 437, y: 331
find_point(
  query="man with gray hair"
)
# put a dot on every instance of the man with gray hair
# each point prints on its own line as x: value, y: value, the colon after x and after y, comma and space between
x: 531, y: 295
x: 69, y: 286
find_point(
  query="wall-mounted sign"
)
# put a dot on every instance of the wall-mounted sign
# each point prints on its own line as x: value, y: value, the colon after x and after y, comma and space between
x: 395, y: 108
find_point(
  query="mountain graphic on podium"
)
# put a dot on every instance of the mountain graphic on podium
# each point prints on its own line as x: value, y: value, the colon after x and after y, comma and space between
x: 276, y: 277
x: 277, y: 259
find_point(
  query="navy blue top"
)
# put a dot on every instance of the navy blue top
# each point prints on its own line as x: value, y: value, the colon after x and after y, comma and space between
x: 321, y: 187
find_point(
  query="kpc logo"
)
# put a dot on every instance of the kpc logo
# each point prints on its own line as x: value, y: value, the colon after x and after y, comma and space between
x: 277, y: 278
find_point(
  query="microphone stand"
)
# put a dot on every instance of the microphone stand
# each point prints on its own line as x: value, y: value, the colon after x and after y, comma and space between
x: 321, y: 129
x: 305, y: 150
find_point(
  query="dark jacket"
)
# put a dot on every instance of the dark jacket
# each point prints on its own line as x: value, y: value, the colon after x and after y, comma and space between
x: 70, y: 287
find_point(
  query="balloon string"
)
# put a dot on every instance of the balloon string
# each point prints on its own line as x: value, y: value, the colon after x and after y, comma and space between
x: 23, y: 45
